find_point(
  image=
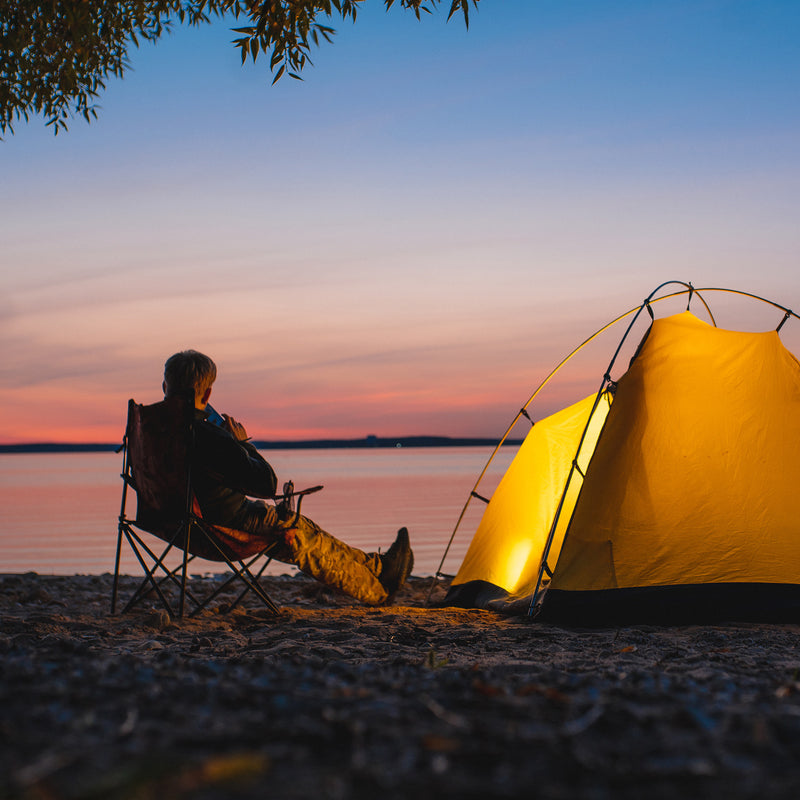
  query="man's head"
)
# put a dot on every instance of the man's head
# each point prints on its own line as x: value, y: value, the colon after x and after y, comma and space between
x: 190, y: 371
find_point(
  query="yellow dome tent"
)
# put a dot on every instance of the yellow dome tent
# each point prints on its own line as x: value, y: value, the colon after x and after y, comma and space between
x: 673, y: 494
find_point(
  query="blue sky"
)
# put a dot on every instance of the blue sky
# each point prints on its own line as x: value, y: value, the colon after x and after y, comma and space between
x: 407, y: 240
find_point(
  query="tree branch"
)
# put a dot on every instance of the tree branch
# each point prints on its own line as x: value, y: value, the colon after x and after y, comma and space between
x: 56, y: 55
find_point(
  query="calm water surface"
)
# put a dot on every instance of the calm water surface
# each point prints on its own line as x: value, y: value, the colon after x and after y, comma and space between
x: 58, y: 512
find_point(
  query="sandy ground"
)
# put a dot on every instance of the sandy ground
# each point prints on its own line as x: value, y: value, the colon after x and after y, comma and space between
x: 331, y: 700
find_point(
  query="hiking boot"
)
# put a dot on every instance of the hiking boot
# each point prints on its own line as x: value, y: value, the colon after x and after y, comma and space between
x: 396, y: 563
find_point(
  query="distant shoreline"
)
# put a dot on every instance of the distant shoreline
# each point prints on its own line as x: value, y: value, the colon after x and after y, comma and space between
x: 308, y: 444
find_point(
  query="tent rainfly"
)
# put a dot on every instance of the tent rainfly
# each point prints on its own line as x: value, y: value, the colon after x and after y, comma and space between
x: 672, y: 495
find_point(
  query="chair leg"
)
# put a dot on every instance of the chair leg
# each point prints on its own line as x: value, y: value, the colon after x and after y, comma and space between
x: 257, y: 588
x: 250, y: 581
x: 149, y: 579
x: 183, y: 574
x: 115, y: 585
x: 256, y: 581
x: 252, y: 585
x: 242, y: 572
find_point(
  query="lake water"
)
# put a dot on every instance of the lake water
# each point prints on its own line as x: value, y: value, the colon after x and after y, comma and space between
x: 58, y: 512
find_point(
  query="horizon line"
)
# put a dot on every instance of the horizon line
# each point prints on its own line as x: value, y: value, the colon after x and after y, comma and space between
x: 369, y: 441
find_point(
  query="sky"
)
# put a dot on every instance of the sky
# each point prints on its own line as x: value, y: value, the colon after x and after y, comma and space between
x: 407, y: 241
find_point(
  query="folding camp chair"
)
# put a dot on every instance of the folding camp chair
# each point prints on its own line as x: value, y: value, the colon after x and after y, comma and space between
x: 157, y: 465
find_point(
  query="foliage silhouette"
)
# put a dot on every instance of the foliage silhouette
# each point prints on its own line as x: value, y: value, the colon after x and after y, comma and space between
x: 56, y: 55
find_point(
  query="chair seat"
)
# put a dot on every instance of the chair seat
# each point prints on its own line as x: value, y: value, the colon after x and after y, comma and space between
x: 207, y: 541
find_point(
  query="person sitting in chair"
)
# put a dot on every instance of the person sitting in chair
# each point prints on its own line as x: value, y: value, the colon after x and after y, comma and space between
x: 228, y: 471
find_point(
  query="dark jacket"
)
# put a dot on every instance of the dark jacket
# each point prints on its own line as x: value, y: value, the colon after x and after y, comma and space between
x: 225, y: 471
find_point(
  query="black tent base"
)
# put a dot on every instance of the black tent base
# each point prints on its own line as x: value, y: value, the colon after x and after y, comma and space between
x: 659, y: 605
x: 675, y: 605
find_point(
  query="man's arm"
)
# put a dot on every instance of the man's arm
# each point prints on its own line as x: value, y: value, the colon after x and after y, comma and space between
x: 236, y: 463
x: 263, y: 472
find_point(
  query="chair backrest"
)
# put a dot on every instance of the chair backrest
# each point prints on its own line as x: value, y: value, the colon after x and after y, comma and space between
x: 159, y: 441
x: 159, y: 448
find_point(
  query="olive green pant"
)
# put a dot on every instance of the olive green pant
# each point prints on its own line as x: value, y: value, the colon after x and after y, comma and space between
x: 301, y: 542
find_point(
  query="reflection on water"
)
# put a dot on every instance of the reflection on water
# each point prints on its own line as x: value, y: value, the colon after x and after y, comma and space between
x: 58, y: 512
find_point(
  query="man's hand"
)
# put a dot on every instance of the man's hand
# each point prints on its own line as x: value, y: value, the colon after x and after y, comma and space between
x: 236, y: 429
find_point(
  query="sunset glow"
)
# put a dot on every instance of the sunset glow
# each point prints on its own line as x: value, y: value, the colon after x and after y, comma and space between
x: 407, y: 241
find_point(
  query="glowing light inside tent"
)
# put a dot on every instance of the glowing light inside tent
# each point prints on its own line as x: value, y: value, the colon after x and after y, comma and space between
x: 516, y: 560
x: 507, y: 547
